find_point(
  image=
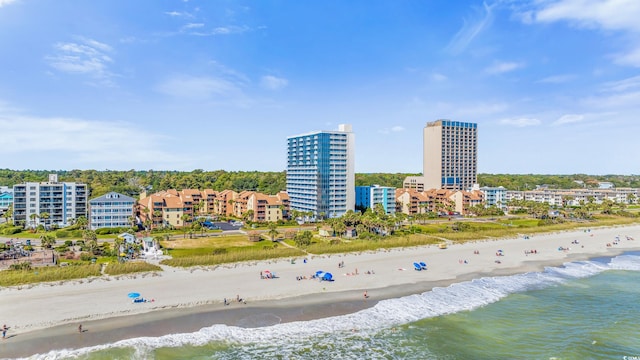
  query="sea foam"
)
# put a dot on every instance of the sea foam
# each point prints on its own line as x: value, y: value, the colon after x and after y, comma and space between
x: 385, y: 314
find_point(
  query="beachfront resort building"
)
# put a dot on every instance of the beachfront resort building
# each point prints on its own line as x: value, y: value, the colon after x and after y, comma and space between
x: 6, y: 199
x: 165, y: 209
x: 320, y: 172
x: 111, y: 210
x: 450, y: 155
x: 439, y: 201
x: 575, y: 197
x: 49, y: 203
x: 414, y: 182
x: 370, y: 196
x: 495, y: 196
x: 268, y: 208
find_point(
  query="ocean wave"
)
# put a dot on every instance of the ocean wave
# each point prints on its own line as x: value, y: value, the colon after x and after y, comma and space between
x: 385, y: 314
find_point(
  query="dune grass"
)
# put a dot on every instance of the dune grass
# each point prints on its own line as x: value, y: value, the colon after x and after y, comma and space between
x: 130, y: 267
x: 48, y: 274
x: 191, y: 258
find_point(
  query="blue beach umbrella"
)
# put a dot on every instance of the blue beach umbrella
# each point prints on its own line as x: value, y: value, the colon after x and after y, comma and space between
x: 134, y: 295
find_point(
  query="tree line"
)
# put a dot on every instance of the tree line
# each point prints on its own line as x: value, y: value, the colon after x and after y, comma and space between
x: 133, y: 182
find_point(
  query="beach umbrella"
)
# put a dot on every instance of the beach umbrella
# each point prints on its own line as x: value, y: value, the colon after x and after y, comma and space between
x: 133, y: 295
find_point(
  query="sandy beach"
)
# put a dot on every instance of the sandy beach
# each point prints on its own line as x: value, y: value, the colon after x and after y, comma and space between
x: 185, y: 300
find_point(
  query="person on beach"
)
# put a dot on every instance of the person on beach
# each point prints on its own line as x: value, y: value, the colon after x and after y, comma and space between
x: 4, y: 331
x: 80, y: 328
x: 366, y: 295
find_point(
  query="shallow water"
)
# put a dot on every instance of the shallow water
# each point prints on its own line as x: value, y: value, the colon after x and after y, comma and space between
x: 583, y: 310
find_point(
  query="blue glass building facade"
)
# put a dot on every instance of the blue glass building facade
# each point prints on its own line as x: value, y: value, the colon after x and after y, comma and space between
x: 320, y: 172
x: 370, y: 196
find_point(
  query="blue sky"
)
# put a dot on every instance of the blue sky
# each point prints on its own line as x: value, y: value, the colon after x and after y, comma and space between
x: 173, y: 84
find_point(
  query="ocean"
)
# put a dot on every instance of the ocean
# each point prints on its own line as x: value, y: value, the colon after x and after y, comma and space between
x: 581, y: 310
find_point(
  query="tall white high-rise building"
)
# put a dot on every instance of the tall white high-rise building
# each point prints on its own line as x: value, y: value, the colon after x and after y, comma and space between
x: 61, y: 201
x: 450, y: 159
x: 320, y: 172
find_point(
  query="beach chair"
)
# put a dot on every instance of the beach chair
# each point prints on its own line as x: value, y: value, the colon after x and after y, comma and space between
x: 423, y: 265
x: 417, y: 266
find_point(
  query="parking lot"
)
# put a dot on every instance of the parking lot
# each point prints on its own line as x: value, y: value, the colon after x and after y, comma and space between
x: 225, y: 226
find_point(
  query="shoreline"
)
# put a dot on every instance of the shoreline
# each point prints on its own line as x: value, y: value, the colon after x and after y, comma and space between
x: 291, y: 300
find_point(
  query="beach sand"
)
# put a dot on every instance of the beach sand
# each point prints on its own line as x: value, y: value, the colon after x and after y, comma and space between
x: 44, y: 317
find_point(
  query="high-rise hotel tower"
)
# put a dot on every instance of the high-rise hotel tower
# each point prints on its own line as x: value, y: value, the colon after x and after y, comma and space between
x: 320, y: 172
x: 450, y: 159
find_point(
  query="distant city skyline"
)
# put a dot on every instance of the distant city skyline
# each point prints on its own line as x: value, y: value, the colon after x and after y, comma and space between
x: 554, y: 86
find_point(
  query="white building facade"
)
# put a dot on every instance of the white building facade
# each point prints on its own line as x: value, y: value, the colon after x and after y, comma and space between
x: 62, y: 201
x: 111, y: 210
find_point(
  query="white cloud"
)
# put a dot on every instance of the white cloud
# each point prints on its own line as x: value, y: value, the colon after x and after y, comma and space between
x: 478, y: 109
x: 193, y: 25
x: 179, y: 14
x: 605, y: 14
x: 222, y: 30
x: 557, y: 79
x: 569, y: 119
x: 617, y: 95
x: 438, y: 77
x: 470, y: 30
x: 608, y: 15
x: 87, y: 57
x: 79, y: 142
x: 396, y: 129
x: 520, y: 122
x: 185, y: 86
x: 273, y: 83
x: 631, y: 58
x: 5, y: 2
x: 623, y: 85
x: 503, y: 67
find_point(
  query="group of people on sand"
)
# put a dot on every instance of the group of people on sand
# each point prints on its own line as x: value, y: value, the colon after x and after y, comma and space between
x: 238, y: 299
x: 533, y: 251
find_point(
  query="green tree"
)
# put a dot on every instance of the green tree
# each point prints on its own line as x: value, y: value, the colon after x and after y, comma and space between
x: 273, y: 231
x: 82, y: 222
x: 303, y: 238
x: 91, y: 240
x: 33, y: 218
x: 47, y: 241
x: 8, y: 214
x: 45, y: 216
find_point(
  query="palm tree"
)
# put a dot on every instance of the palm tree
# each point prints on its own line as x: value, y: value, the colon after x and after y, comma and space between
x: 33, y: 218
x: 273, y: 231
x: 82, y: 222
x: 45, y: 216
x: 8, y: 214
x: 248, y: 216
x: 117, y: 247
x: 91, y: 239
x: 339, y: 227
x: 185, y: 218
x: 131, y: 220
x: 47, y: 241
